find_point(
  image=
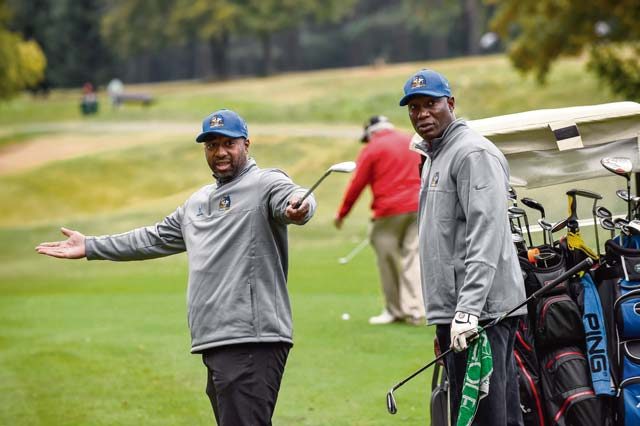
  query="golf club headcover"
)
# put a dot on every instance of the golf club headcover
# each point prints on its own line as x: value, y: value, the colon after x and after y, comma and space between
x: 463, y: 325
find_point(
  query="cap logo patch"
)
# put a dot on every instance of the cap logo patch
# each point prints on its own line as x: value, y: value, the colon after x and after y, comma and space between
x: 216, y: 121
x: 418, y: 81
x: 225, y: 203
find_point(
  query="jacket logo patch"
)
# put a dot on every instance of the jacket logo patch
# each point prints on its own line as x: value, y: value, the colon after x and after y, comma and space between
x: 225, y: 203
x: 200, y: 212
x: 435, y: 179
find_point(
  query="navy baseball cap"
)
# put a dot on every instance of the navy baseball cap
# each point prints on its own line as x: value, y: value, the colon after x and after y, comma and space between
x: 427, y: 83
x: 223, y: 122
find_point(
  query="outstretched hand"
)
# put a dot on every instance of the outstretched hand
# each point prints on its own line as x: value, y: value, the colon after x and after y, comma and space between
x: 72, y: 248
x: 296, y: 215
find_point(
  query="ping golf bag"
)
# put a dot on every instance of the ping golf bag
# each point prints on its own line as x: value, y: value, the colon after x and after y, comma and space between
x: 553, y: 370
x: 618, y: 281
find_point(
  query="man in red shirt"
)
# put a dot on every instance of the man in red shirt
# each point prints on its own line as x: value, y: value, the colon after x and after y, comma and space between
x: 391, y: 169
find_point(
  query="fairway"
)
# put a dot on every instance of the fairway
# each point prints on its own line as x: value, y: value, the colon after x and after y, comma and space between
x: 101, y: 343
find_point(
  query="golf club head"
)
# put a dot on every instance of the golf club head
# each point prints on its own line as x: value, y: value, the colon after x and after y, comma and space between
x: 620, y: 222
x: 516, y: 211
x: 533, y: 204
x: 633, y: 227
x: 603, y: 213
x: 343, y: 260
x: 623, y: 195
x: 621, y: 166
x: 544, y: 224
x: 512, y: 194
x: 391, y: 403
x: 607, y: 224
x: 345, y: 167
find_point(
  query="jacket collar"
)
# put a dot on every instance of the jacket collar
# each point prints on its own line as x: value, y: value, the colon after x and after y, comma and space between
x: 432, y: 148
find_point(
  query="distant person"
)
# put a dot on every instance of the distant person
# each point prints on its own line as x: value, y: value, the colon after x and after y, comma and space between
x: 388, y: 166
x: 115, y: 89
x: 470, y: 269
x: 235, y: 234
x: 89, y: 104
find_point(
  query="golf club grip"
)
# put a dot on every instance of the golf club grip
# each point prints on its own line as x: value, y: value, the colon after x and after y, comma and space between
x: 298, y: 203
x: 585, y: 193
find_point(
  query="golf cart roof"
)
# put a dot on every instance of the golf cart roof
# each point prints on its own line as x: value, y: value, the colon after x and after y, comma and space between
x: 552, y: 146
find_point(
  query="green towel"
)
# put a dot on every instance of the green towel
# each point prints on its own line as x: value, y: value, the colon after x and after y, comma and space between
x: 476, y: 379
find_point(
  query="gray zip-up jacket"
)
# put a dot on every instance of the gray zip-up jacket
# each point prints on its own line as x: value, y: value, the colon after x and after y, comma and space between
x: 235, y: 235
x: 468, y: 260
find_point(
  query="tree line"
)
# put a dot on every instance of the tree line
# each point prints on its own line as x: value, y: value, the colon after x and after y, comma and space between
x: 155, y: 40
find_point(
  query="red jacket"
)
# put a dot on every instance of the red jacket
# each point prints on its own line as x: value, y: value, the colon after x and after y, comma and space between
x: 387, y: 164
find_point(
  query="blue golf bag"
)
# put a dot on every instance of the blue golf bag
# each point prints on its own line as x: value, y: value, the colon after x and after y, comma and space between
x: 618, y: 281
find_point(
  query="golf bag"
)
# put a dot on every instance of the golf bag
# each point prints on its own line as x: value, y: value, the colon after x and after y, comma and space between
x: 554, y: 378
x: 531, y: 402
x: 618, y: 281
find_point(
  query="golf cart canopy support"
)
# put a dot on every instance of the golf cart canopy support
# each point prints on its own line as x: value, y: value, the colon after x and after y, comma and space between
x: 552, y: 146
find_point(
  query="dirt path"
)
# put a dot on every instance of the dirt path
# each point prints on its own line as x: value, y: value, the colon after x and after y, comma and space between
x: 75, y: 139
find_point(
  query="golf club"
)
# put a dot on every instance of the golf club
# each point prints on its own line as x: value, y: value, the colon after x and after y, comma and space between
x: 603, y: 213
x: 621, y: 224
x: 607, y: 224
x: 533, y: 204
x: 620, y: 166
x: 512, y: 195
x: 357, y: 249
x: 633, y: 227
x: 392, y: 407
x: 517, y: 213
x: 346, y: 167
x: 546, y: 229
x: 572, y: 221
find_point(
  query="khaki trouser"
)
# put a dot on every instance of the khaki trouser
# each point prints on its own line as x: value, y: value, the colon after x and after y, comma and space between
x: 395, y: 241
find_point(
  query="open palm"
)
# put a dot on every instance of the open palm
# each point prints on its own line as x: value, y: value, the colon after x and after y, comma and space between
x: 72, y: 248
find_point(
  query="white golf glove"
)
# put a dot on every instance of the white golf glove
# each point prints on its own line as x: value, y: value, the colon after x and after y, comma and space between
x: 464, y: 325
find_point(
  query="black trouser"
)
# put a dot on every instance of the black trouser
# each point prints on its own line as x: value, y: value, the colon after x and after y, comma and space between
x: 501, y: 407
x: 243, y: 381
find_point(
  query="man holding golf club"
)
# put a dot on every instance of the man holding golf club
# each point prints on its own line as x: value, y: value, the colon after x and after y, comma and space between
x: 390, y: 168
x: 470, y: 271
x: 235, y: 235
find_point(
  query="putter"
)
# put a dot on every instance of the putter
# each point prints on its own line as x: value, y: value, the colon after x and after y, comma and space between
x: 533, y: 204
x: 392, y: 407
x: 357, y: 249
x: 620, y: 166
x: 346, y: 167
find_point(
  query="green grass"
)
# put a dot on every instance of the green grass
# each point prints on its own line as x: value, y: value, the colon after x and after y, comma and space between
x: 99, y: 343
x: 483, y: 86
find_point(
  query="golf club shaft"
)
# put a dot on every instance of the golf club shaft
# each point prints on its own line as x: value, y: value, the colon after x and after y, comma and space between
x: 315, y: 185
x: 355, y: 250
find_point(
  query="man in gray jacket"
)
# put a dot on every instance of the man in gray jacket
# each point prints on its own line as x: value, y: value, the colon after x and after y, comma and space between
x: 235, y: 236
x: 470, y: 270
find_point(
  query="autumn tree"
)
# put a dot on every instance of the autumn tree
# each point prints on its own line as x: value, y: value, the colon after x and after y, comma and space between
x: 538, y: 32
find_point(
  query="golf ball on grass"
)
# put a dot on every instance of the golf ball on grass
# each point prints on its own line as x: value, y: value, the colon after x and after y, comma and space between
x: 346, y: 316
